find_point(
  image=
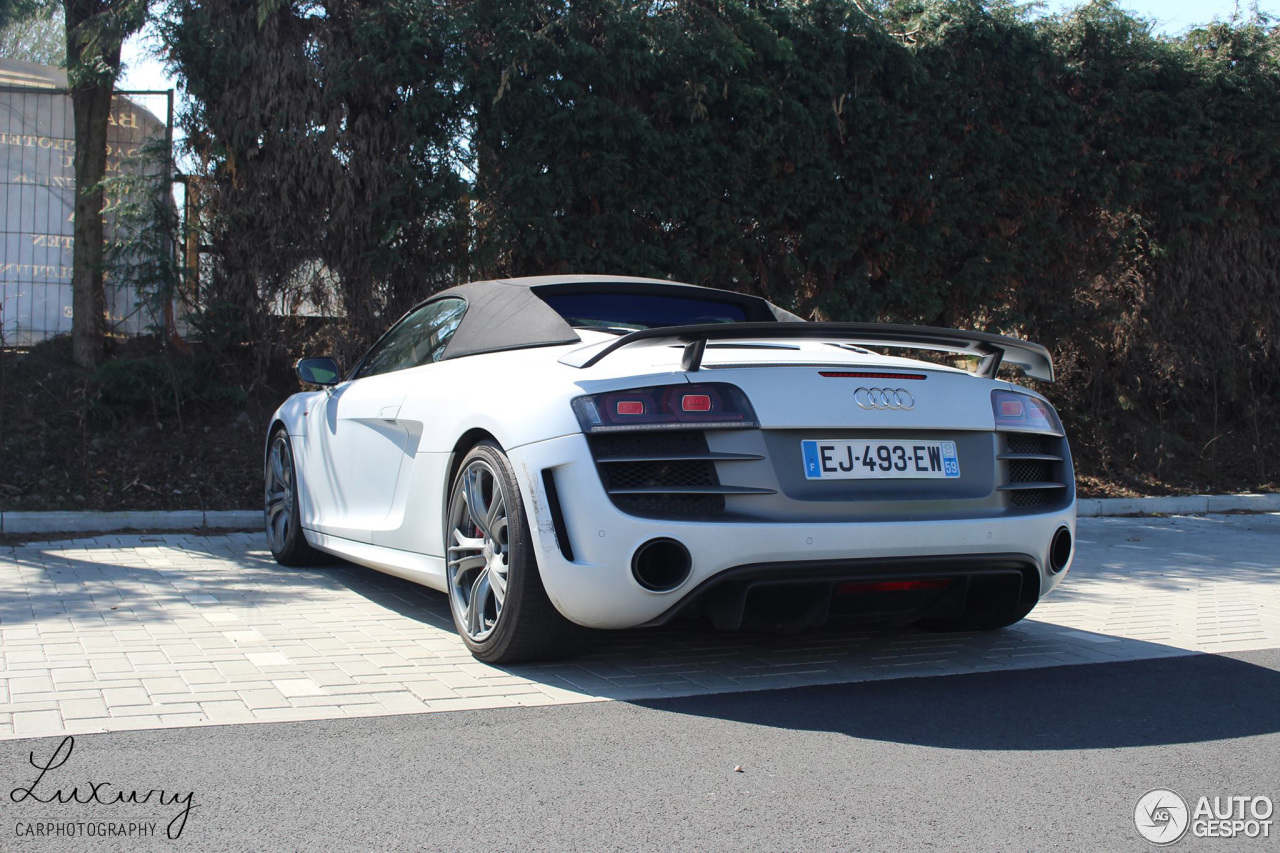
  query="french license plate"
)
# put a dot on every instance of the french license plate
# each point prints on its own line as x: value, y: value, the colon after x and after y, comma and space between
x: 880, y: 459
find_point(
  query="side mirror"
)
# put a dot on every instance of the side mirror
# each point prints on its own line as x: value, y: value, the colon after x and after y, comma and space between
x: 318, y: 371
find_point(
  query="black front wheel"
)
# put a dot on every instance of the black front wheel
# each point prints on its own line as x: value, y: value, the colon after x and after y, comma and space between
x: 280, y: 506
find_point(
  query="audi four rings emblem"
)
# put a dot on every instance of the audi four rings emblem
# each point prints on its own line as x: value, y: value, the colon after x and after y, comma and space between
x: 883, y: 398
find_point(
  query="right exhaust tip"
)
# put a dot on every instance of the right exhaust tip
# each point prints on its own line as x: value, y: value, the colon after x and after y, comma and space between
x: 661, y: 565
x: 1060, y: 550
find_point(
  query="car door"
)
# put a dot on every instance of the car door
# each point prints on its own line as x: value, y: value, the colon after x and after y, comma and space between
x: 361, y: 447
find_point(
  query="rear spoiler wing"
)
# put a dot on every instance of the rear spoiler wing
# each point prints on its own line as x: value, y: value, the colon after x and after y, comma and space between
x: 993, y: 350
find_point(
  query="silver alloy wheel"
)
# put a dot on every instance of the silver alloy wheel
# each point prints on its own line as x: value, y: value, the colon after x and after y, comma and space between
x: 478, y: 551
x: 279, y: 494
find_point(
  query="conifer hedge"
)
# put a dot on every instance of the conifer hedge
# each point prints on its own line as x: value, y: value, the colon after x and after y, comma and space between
x: 1073, y: 179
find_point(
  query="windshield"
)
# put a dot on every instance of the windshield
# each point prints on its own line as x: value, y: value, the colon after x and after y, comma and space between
x: 629, y: 312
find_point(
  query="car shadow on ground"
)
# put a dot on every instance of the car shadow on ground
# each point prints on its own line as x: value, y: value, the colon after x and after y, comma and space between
x: 1179, y: 700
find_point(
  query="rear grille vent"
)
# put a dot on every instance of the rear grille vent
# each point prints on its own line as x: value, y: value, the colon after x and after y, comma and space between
x: 670, y: 506
x: 662, y: 443
x: 1016, y: 442
x: 1028, y: 498
x: 632, y: 475
x: 1034, y: 470
x: 1030, y: 471
x: 643, y: 460
x: 664, y: 474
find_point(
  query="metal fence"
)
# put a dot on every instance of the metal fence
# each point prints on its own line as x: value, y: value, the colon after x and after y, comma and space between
x: 37, y: 180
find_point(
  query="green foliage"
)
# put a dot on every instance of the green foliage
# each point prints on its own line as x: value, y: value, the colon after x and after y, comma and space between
x: 96, y: 31
x: 37, y: 35
x: 1074, y: 178
x: 329, y: 134
x: 146, y: 230
x: 17, y: 11
x: 123, y: 389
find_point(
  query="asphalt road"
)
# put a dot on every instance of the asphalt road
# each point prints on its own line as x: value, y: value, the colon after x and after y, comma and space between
x: 1045, y: 759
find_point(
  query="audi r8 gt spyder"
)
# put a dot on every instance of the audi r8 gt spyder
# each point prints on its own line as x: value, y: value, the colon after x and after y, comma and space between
x: 615, y: 452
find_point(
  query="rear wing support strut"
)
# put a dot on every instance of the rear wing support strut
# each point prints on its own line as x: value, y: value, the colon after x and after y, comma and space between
x: 991, y: 350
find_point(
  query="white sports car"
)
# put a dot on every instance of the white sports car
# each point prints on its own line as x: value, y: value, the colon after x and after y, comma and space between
x: 618, y: 452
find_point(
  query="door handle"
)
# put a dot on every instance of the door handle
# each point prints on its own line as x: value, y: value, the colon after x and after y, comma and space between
x: 388, y: 413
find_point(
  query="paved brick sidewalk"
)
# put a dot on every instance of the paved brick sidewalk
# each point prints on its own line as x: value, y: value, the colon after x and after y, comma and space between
x: 128, y: 632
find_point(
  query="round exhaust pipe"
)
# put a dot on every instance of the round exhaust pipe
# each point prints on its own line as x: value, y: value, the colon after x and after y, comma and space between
x: 661, y: 565
x: 1060, y: 550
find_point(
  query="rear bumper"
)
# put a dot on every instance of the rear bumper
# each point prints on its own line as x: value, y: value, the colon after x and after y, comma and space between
x: 724, y: 596
x: 593, y: 585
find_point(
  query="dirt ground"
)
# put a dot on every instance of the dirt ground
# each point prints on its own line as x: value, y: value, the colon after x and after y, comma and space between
x: 63, y: 448
x: 67, y: 442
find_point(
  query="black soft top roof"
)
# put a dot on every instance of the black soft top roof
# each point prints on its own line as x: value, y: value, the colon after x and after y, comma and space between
x: 506, y: 314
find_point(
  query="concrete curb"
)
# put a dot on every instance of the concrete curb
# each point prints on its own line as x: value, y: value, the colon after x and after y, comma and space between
x: 110, y: 522
x: 194, y: 519
x: 1182, y: 505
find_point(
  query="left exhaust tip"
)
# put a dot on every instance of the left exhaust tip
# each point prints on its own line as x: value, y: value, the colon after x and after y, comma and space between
x: 1060, y: 550
x: 661, y: 565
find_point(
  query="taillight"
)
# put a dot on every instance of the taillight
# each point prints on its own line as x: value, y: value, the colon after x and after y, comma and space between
x: 709, y: 406
x: 1015, y: 412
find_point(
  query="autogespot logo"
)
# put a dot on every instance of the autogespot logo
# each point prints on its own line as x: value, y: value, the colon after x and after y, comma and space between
x: 1161, y: 816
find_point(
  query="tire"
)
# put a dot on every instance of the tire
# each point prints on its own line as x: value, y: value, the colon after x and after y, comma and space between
x: 280, y: 505
x: 499, y: 605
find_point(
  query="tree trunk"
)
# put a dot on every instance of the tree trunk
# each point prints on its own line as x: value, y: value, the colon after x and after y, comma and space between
x: 91, y: 106
x: 88, y: 299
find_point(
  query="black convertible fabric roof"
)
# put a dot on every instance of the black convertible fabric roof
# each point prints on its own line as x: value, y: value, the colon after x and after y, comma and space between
x: 506, y: 314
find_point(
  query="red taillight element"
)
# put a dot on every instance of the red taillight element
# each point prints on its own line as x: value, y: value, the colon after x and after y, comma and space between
x: 1018, y: 412
x: 704, y: 405
x: 858, y: 374
x: 890, y: 586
